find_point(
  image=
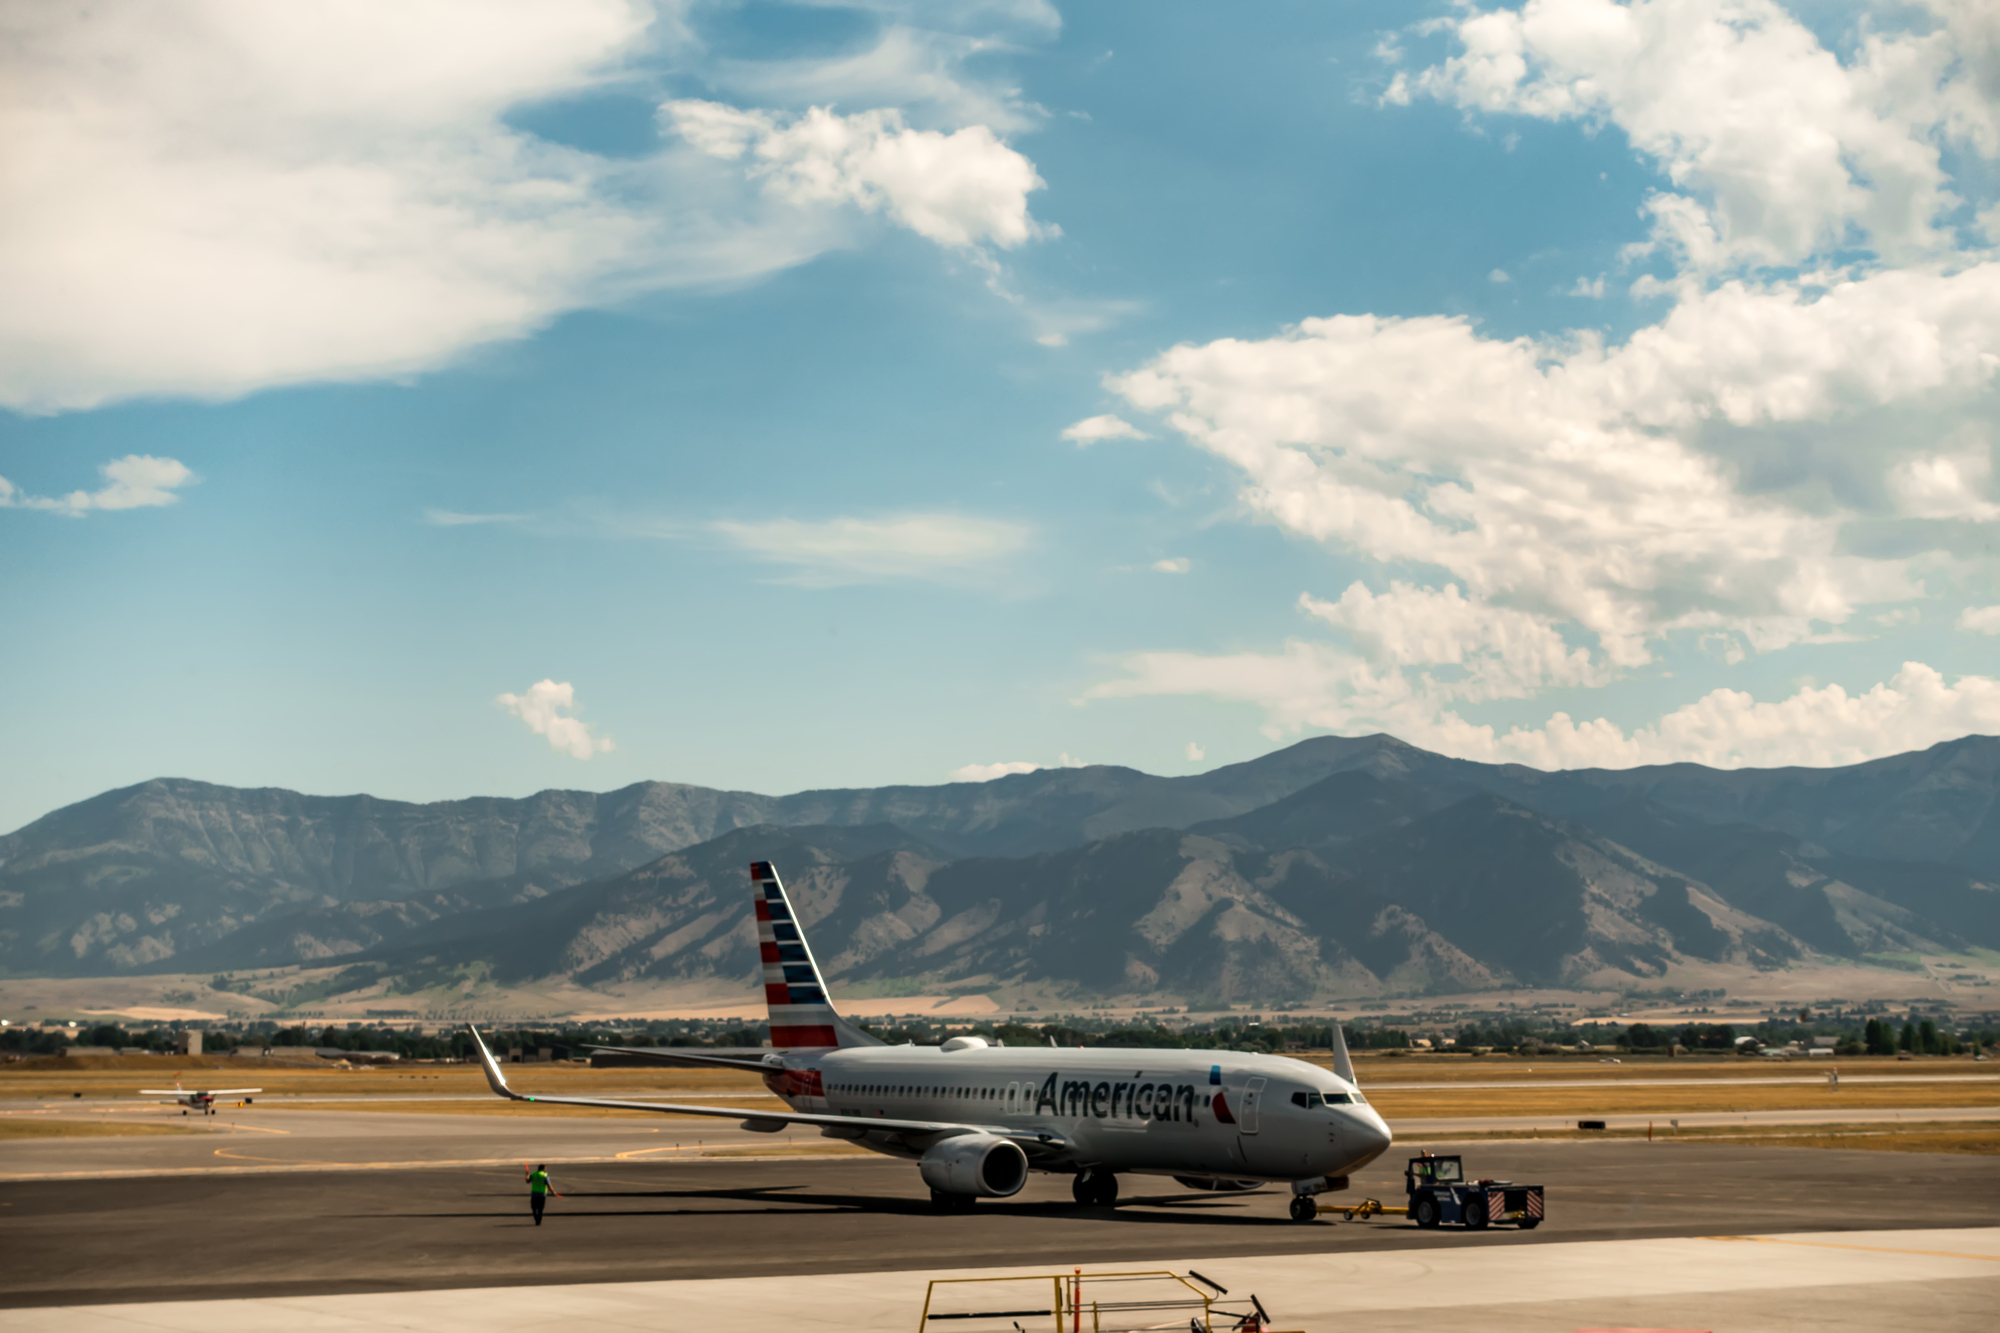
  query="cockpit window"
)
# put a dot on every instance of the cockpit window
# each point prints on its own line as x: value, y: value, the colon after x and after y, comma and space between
x: 1337, y: 1099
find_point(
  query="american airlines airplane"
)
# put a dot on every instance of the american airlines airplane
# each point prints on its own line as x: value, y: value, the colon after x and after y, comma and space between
x: 977, y: 1117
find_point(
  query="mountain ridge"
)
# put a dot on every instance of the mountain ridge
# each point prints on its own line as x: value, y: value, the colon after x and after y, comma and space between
x: 175, y: 874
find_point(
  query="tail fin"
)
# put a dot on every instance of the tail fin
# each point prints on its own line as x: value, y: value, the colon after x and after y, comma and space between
x: 802, y: 1018
x: 1342, y: 1066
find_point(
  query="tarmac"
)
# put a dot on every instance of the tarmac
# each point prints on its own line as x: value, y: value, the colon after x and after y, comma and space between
x: 340, y: 1220
x: 333, y: 1230
x: 1936, y: 1279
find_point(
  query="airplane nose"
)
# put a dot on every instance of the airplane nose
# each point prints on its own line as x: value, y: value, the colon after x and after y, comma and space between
x: 1371, y: 1137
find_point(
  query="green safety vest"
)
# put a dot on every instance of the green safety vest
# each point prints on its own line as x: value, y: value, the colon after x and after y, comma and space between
x: 538, y: 1183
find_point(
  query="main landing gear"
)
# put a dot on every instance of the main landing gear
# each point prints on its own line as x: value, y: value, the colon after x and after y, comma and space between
x: 1095, y: 1189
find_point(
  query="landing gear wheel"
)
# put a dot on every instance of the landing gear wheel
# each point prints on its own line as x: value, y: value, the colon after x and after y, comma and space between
x: 1529, y: 1223
x: 1475, y: 1214
x: 1095, y: 1189
x: 1303, y: 1208
x: 1424, y: 1212
x: 946, y: 1202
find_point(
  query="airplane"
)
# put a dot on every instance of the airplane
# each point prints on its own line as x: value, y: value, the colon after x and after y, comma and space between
x: 203, y: 1102
x: 977, y: 1117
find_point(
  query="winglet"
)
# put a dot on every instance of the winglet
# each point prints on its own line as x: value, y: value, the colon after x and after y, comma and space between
x: 1341, y: 1064
x: 494, y: 1078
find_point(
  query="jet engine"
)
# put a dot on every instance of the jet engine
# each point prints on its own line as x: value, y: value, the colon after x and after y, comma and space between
x: 975, y: 1164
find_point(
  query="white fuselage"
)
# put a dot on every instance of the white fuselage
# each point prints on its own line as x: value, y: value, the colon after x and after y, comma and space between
x: 1107, y: 1108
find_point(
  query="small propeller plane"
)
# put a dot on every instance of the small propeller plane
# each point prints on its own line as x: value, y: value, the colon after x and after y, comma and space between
x: 202, y: 1101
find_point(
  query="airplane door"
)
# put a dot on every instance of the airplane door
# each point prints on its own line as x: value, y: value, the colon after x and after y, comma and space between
x: 1253, y: 1093
x: 1011, y: 1105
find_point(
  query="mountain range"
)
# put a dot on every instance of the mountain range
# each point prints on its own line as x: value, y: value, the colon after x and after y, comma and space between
x: 1338, y: 865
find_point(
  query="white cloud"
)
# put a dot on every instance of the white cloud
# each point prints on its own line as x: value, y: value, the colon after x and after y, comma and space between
x: 1818, y: 727
x: 960, y: 190
x: 1091, y: 430
x: 1980, y: 619
x: 1499, y: 275
x: 1195, y: 754
x: 136, y: 481
x: 212, y: 197
x: 1788, y: 149
x: 988, y: 772
x: 451, y: 518
x: 1563, y: 476
x: 1947, y: 486
x: 1309, y: 685
x: 1572, y: 489
x: 859, y: 550
x: 547, y: 707
x: 1502, y: 653
x: 919, y: 60
x: 1178, y: 564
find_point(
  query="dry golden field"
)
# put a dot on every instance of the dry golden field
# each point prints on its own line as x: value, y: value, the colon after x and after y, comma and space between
x: 1942, y: 1136
x: 1411, y: 1088
x: 16, y: 1127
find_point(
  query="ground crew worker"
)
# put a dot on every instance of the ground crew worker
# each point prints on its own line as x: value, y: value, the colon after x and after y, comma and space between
x: 538, y: 1190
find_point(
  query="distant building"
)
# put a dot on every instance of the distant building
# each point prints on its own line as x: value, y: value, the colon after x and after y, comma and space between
x: 90, y: 1050
x: 189, y: 1042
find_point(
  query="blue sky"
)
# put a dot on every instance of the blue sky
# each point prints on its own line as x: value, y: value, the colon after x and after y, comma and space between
x: 414, y: 400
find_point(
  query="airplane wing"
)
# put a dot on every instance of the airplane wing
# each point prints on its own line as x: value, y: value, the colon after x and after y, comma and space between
x: 165, y: 1092
x: 674, y: 1055
x: 859, y: 1124
x: 231, y: 1092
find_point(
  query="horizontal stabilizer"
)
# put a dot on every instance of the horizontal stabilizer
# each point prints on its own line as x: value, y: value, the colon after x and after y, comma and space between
x: 686, y: 1059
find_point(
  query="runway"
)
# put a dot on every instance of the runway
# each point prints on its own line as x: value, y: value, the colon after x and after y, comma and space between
x: 327, y: 1232
x: 261, y: 1142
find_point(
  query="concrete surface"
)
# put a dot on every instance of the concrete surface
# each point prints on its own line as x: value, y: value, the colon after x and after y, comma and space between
x: 1942, y: 1280
x: 144, y: 1239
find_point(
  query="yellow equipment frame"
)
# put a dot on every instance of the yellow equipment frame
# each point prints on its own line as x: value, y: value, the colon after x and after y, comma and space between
x: 1066, y: 1306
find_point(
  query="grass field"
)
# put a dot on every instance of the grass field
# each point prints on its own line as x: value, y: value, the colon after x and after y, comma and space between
x: 1950, y: 1136
x: 14, y: 1127
x: 1532, y: 1086
x: 1529, y: 1099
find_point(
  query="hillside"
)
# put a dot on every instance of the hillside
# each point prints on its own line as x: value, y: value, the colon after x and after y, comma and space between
x: 1333, y: 866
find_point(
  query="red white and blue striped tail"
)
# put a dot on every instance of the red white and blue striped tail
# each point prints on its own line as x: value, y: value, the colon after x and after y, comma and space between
x: 802, y: 1017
